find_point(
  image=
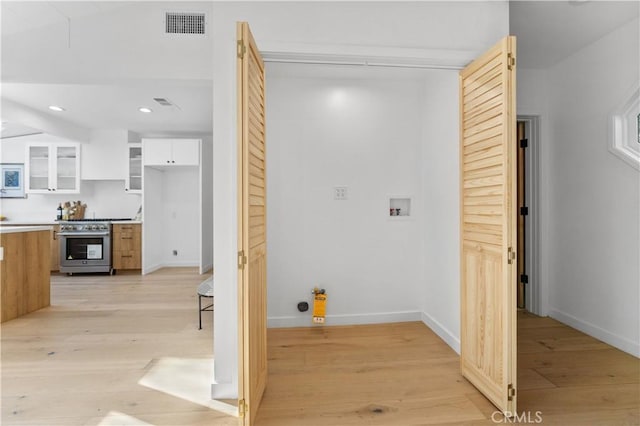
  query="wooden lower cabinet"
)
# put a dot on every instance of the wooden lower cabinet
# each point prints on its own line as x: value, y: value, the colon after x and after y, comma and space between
x: 24, y: 273
x: 55, y: 248
x: 127, y: 246
x: 54, y: 243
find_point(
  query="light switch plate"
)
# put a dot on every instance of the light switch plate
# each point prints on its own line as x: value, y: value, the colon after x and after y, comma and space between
x: 340, y: 193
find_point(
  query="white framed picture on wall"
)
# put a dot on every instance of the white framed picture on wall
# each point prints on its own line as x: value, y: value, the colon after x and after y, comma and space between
x: 12, y: 185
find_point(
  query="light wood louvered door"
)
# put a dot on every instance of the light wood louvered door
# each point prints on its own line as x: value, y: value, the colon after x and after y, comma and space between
x: 488, y: 224
x: 252, y: 236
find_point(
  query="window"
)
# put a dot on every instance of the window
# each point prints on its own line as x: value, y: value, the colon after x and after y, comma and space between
x: 625, y: 130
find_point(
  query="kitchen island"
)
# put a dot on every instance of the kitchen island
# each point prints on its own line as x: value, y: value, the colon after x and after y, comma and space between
x: 24, y: 270
x: 54, y: 228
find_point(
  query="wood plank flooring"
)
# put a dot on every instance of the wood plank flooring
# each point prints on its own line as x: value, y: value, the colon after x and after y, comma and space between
x: 82, y: 360
x: 96, y: 357
x: 403, y: 374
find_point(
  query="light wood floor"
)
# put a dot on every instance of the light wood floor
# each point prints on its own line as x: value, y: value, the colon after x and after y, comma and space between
x: 403, y: 374
x: 79, y: 362
x: 84, y: 361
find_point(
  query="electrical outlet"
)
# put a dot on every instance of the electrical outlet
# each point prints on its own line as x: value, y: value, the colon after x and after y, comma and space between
x: 339, y: 192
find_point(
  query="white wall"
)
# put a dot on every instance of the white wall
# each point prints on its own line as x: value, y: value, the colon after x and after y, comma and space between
x: 593, y: 244
x: 532, y: 101
x: 51, y: 50
x: 225, y: 225
x: 206, y: 201
x: 105, y: 156
x: 364, y: 134
x: 180, y: 214
x: 441, y: 193
x: 469, y: 27
x: 152, y: 221
x: 104, y: 199
x: 171, y: 217
x: 589, y: 199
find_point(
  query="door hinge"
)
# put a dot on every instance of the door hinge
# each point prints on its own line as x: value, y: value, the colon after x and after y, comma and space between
x: 242, y: 408
x: 524, y: 143
x: 511, y: 61
x: 511, y: 255
x: 524, y: 211
x: 242, y: 49
x: 511, y: 392
x: 524, y: 278
x: 242, y: 259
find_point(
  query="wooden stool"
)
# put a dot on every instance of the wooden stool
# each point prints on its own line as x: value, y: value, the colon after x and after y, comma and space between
x: 205, y: 289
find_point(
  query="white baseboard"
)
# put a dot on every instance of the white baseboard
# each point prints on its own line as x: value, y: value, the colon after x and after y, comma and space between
x: 178, y: 264
x: 224, y: 391
x: 446, y: 335
x: 206, y: 268
x: 349, y: 319
x: 147, y: 270
x: 157, y: 266
x: 593, y: 330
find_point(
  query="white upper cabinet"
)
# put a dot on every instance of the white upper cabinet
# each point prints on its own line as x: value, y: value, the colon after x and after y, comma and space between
x: 157, y: 152
x: 171, y: 152
x: 53, y: 168
x: 133, y: 182
x: 186, y: 152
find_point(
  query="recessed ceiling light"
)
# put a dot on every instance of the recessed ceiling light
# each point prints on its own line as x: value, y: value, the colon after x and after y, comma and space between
x: 56, y: 108
x: 145, y: 110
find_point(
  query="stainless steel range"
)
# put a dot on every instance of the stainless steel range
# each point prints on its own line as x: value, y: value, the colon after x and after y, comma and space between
x: 85, y: 246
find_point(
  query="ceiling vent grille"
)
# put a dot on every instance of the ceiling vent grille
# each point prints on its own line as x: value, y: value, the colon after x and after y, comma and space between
x: 163, y: 101
x: 167, y: 103
x: 185, y: 23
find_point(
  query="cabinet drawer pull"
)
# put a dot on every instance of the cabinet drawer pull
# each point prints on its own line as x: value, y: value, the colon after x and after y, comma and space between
x: 128, y: 255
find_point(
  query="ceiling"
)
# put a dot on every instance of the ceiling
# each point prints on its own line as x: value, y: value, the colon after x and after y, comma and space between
x: 15, y: 130
x: 20, y: 16
x: 116, y: 105
x: 548, y: 31
x: 103, y: 60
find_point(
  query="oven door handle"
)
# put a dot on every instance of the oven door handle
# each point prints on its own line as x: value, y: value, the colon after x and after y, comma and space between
x: 83, y: 234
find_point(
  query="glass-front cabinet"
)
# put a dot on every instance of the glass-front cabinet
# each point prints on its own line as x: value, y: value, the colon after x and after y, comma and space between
x: 53, y: 168
x: 38, y: 172
x: 133, y: 183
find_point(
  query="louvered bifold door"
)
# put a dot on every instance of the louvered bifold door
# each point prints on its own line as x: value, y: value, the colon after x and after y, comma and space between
x: 252, y: 236
x: 488, y: 224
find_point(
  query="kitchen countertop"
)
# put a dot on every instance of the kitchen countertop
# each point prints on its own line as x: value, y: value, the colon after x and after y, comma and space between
x: 35, y: 222
x: 13, y: 229
x: 28, y: 222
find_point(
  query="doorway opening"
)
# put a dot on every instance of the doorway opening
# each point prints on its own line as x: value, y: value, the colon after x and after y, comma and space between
x: 528, y: 278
